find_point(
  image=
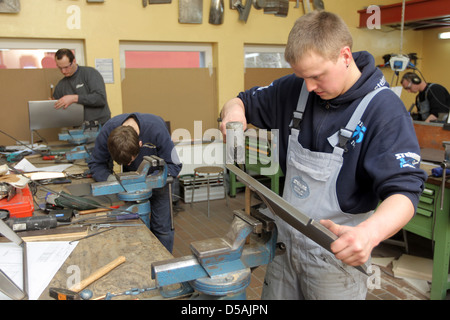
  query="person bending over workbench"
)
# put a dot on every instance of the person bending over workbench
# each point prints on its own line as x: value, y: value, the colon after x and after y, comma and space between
x: 82, y: 85
x: 432, y: 98
x: 126, y: 139
x: 337, y: 179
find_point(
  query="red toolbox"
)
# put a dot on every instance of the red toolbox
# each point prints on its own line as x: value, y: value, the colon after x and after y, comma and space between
x: 21, y: 205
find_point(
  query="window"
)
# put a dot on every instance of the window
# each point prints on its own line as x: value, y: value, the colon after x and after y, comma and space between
x: 162, y: 55
x: 35, y: 54
x: 264, y: 57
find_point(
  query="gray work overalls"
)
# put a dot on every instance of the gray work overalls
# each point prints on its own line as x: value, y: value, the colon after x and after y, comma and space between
x: 306, y: 270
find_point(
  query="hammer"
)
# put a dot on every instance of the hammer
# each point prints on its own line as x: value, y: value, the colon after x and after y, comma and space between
x: 74, y: 292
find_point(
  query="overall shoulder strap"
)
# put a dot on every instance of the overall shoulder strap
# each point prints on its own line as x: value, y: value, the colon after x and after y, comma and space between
x: 345, y: 134
x: 297, y: 115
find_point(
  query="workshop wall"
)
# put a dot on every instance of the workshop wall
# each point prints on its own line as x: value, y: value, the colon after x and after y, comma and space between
x: 436, y: 53
x: 102, y: 26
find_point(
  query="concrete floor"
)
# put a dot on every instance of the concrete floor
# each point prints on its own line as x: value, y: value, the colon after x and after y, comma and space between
x: 192, y: 223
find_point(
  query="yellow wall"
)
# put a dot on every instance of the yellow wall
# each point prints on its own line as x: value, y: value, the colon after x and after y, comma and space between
x: 104, y: 25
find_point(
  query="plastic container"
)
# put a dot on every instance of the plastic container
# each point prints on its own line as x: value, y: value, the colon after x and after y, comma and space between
x: 21, y: 205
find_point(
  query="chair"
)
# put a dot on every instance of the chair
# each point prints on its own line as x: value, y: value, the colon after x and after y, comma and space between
x: 208, y: 170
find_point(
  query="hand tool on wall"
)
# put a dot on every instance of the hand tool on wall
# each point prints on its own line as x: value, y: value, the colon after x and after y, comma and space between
x: 216, y: 12
x: 190, y: 11
x: 243, y: 9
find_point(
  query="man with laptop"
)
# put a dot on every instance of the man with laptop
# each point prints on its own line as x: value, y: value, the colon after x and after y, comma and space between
x: 82, y: 85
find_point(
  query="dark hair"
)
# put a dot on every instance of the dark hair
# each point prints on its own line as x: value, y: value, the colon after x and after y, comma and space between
x: 65, y: 52
x: 123, y: 144
x: 411, y: 77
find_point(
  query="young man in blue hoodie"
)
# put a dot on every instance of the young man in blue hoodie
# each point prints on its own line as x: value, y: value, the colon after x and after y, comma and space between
x: 335, y: 178
x: 127, y: 139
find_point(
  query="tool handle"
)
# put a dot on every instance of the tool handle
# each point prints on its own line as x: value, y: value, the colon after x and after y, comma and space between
x: 97, y: 274
x: 129, y: 216
x: 97, y: 210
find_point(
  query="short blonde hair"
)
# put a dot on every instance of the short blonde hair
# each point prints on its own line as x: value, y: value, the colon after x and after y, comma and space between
x: 323, y: 32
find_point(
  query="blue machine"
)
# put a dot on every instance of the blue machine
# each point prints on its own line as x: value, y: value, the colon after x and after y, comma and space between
x: 135, y: 188
x: 220, y: 268
x: 84, y: 137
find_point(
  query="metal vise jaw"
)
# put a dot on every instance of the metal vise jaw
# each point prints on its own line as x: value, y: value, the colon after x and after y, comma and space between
x: 135, y: 188
x: 221, y: 267
x: 84, y: 137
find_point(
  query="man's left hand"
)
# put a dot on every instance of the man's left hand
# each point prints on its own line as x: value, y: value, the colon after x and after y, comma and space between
x: 353, y: 245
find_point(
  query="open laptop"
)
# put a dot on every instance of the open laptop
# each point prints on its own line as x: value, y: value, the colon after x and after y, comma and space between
x: 43, y: 115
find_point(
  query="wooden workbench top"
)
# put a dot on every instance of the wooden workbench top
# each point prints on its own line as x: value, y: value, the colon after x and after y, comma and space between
x: 137, y: 244
x: 140, y: 249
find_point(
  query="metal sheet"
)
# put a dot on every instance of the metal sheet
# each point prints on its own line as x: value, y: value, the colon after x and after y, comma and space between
x: 7, y: 286
x: 291, y: 215
x: 43, y: 115
x: 190, y: 11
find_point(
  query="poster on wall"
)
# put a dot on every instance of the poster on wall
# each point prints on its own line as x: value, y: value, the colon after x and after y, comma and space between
x: 9, y: 6
x: 105, y: 67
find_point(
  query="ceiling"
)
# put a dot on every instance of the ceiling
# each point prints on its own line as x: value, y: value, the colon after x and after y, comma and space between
x: 419, y: 15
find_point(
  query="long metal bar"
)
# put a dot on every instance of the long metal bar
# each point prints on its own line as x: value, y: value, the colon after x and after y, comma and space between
x: 7, y: 286
x: 291, y: 215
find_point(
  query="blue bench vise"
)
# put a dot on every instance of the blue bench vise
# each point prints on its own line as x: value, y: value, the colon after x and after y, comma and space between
x: 135, y: 187
x: 220, y: 268
x: 84, y: 137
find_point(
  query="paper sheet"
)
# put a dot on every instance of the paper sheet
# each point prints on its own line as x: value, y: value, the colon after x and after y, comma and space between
x: 26, y: 166
x: 44, y: 260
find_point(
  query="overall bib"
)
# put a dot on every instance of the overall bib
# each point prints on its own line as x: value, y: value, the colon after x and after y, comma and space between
x: 306, y: 270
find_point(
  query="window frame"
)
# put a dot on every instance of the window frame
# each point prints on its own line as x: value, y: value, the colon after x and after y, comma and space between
x: 45, y: 44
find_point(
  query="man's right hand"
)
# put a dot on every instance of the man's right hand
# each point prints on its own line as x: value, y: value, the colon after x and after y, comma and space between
x: 233, y: 110
x: 66, y: 101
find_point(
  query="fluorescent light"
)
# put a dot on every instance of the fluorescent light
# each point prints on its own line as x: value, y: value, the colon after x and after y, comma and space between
x: 444, y: 35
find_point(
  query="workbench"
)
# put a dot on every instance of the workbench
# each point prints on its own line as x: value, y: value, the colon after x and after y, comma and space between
x: 433, y: 222
x: 140, y: 249
x: 137, y: 244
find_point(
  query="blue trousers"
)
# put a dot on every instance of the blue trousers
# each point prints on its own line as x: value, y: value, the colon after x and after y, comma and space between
x: 160, y: 217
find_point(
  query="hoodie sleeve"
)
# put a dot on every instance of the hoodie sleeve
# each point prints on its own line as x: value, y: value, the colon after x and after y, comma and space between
x: 392, y: 155
x: 100, y: 163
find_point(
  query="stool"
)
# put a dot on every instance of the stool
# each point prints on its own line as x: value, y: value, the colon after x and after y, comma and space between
x: 209, y: 170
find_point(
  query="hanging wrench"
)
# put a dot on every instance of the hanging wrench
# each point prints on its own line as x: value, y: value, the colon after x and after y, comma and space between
x: 95, y: 227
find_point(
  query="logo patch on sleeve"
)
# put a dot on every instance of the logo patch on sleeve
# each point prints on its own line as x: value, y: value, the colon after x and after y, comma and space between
x: 408, y: 159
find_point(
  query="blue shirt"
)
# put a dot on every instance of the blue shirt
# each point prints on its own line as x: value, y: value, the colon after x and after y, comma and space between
x: 156, y: 140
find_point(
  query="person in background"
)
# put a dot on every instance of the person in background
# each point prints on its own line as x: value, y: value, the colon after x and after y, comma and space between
x: 83, y: 85
x: 432, y: 99
x: 126, y: 139
x: 336, y: 171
